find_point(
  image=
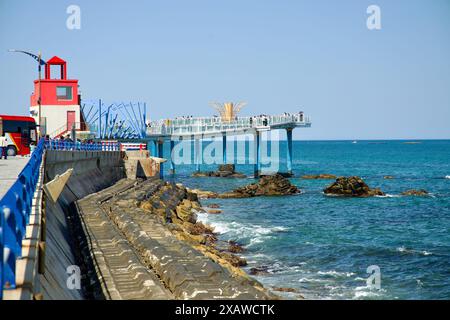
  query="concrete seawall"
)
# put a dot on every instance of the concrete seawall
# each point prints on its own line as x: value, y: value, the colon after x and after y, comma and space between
x: 94, y: 241
x: 92, y: 171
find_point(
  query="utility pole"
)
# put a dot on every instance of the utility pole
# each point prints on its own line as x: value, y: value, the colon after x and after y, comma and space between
x: 41, y: 62
x: 39, y: 96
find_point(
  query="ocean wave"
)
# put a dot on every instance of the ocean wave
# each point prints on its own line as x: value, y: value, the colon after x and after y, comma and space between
x: 387, y: 195
x: 363, y: 292
x: 255, y: 234
x: 447, y: 177
x: 306, y: 280
x: 336, y: 273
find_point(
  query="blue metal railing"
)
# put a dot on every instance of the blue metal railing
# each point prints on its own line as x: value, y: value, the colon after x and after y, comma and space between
x: 15, y: 209
x: 65, y: 145
x: 15, y: 206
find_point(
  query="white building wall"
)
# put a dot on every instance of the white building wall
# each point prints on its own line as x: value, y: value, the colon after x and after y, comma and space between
x: 56, y: 117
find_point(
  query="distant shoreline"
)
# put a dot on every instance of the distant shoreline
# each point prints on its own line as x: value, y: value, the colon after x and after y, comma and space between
x: 366, y: 140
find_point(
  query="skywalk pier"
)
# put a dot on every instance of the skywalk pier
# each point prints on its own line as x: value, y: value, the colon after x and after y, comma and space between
x: 198, y: 129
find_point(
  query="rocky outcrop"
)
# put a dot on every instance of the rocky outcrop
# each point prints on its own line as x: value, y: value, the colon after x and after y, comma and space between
x: 224, y: 171
x: 414, y: 192
x: 275, y: 185
x: 323, y: 176
x: 283, y: 289
x: 259, y: 271
x: 178, y: 206
x: 351, y: 187
x: 214, y: 211
x: 235, y: 247
x: 203, y: 194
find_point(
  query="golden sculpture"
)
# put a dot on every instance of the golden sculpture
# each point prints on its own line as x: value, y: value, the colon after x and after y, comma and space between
x: 228, y: 111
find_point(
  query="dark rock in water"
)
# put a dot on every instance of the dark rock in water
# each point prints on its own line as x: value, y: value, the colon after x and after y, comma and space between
x: 413, y: 192
x: 281, y: 289
x: 283, y: 174
x: 351, y: 187
x: 323, y: 176
x: 235, y: 261
x: 388, y: 177
x: 214, y: 211
x: 275, y: 185
x: 235, y: 247
x: 224, y: 171
x: 213, y: 206
x: 227, y: 168
x: 258, y: 271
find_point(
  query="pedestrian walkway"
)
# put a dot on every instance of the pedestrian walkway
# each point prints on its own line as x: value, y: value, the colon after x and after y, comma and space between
x: 9, y: 170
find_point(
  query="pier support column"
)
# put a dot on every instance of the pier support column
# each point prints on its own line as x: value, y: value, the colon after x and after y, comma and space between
x: 161, y: 155
x: 224, y: 147
x: 151, y: 146
x: 172, y: 164
x: 289, y: 150
x: 257, y: 167
x: 198, y: 151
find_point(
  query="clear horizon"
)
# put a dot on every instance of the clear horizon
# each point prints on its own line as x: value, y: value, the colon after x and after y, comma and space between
x: 318, y: 57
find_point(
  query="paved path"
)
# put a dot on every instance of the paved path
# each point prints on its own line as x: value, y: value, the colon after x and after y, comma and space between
x: 9, y: 170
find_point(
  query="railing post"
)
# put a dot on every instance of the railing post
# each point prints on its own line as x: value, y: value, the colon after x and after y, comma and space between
x: 9, y: 249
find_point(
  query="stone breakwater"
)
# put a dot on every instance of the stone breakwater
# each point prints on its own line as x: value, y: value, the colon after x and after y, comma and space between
x: 146, y: 244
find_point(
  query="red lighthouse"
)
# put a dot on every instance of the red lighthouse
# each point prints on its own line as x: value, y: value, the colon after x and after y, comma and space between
x: 58, y: 110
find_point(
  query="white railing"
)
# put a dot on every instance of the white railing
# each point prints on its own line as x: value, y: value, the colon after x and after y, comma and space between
x: 216, y: 124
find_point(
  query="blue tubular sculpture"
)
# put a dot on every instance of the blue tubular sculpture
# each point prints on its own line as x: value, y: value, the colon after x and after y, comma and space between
x: 115, y: 120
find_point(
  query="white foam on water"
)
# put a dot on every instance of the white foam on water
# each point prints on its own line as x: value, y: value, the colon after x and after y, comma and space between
x: 336, y: 273
x: 304, y: 280
x: 366, y: 292
x: 401, y: 249
x: 447, y: 177
x: 388, y: 196
x: 426, y: 253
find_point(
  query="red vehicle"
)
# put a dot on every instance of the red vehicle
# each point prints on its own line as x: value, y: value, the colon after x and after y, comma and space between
x: 20, y: 132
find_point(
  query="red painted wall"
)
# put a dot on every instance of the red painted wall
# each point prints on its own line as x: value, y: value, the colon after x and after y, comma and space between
x: 48, y: 95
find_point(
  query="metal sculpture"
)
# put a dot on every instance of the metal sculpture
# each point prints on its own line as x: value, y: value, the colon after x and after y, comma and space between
x: 115, y: 120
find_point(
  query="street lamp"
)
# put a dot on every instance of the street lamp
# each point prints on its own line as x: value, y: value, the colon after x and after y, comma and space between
x: 41, y: 62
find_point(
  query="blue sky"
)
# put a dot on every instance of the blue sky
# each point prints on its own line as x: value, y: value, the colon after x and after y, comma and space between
x: 315, y: 56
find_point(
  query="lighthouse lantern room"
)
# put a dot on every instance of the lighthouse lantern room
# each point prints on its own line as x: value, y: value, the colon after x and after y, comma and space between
x: 55, y: 103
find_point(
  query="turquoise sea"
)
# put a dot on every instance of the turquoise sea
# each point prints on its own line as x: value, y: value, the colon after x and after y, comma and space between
x: 323, y: 245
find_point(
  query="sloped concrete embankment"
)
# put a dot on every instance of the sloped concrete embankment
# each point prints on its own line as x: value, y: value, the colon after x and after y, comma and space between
x: 92, y: 171
x: 138, y: 257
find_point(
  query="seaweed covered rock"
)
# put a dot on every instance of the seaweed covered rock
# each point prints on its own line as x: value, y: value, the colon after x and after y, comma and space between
x: 413, y: 192
x: 322, y: 176
x: 224, y: 171
x: 351, y: 187
x: 273, y: 185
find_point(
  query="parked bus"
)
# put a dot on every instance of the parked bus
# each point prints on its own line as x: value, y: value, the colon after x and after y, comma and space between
x: 20, y: 132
